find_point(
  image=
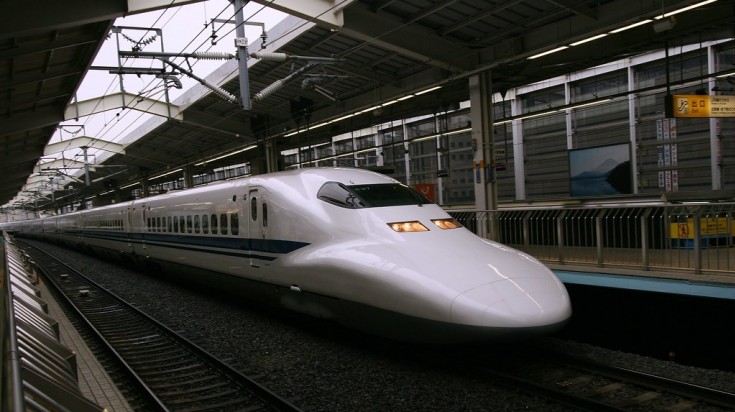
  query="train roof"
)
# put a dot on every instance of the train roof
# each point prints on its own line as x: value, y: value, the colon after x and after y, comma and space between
x: 310, y: 178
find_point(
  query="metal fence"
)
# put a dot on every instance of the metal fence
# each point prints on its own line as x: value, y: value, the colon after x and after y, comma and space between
x: 691, y: 238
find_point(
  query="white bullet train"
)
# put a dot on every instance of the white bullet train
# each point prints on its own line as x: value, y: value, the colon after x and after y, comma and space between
x: 345, y: 244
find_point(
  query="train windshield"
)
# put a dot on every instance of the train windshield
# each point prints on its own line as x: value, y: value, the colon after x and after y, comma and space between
x: 374, y: 195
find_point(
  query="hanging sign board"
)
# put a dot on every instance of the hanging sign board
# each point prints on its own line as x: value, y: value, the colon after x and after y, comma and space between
x: 695, y: 105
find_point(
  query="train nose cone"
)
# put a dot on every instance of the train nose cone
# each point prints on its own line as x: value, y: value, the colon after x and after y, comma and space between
x: 520, y: 302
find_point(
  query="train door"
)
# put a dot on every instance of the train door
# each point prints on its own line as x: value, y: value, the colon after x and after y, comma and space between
x: 256, y: 230
x: 128, y: 228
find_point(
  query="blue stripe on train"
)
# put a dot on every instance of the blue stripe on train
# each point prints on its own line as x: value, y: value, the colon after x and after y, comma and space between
x: 229, y: 246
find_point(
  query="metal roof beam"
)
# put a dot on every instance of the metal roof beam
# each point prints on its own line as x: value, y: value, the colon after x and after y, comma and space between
x: 17, y: 157
x: 16, y: 174
x: 480, y: 15
x: 35, y: 77
x: 429, y: 11
x: 83, y: 141
x: 325, y: 13
x: 142, y: 6
x: 26, y: 121
x: 412, y: 41
x: 36, y: 179
x: 576, y: 7
x: 38, y: 186
x: 70, y: 41
x: 224, y: 125
x: 121, y: 101
x: 43, y: 16
x: 58, y: 164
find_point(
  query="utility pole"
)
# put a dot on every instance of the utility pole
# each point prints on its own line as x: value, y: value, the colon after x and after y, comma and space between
x: 241, y: 42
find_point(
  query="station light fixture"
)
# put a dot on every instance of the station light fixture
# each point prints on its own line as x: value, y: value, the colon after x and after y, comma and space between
x: 589, y: 39
x: 683, y: 9
x: 662, y: 22
x: 729, y: 74
x: 546, y: 53
x: 165, y: 174
x: 630, y: 26
x: 369, y: 109
x: 244, y: 149
x: 130, y: 185
x: 428, y: 90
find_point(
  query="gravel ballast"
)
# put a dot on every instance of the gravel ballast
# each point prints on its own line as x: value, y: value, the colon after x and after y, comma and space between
x: 321, y: 366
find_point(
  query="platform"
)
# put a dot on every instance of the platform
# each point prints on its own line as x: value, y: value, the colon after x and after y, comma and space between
x: 94, y: 382
x: 668, y: 285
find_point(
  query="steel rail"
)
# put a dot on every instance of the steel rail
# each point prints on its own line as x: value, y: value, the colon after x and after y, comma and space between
x: 173, y: 372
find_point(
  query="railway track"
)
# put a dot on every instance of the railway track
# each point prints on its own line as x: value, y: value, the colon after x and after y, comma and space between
x: 171, y: 373
x: 585, y: 384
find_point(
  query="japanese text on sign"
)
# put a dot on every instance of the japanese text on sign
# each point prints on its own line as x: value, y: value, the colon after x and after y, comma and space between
x: 694, y: 105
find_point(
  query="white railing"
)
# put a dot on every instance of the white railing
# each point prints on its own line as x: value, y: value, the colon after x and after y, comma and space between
x: 689, y: 238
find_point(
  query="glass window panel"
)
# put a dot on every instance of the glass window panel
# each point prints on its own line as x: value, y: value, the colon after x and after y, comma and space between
x: 234, y: 224
x: 543, y: 100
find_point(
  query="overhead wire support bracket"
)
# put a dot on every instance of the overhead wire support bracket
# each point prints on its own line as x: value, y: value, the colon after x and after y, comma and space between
x: 283, y: 57
x: 311, y: 61
x: 165, y: 58
x: 213, y: 87
x: 194, y: 55
x: 275, y: 86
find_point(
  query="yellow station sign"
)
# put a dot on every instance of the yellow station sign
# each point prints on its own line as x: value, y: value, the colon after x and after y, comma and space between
x: 711, y: 226
x: 694, y: 105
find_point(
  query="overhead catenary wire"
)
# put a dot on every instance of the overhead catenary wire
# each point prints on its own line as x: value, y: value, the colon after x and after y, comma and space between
x: 123, y: 113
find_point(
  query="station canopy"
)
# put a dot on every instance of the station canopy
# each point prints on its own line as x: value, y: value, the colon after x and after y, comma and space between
x: 349, y: 64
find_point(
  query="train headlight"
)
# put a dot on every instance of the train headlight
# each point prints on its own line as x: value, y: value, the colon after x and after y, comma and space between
x: 446, y: 223
x: 413, y: 226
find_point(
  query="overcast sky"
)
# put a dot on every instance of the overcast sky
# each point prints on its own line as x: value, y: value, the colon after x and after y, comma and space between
x: 183, y: 29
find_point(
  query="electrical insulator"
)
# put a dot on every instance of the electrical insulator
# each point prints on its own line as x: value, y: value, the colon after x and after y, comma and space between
x: 268, y: 90
x: 220, y: 91
x: 276, y: 57
x: 212, y: 55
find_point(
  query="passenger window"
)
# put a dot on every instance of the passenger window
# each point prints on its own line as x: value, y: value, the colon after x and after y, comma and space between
x: 265, y: 215
x: 170, y: 225
x: 254, y: 208
x: 196, y: 224
x: 339, y: 195
x: 188, y: 224
x: 176, y: 224
x: 214, y: 224
x: 148, y: 225
x: 205, y: 224
x: 234, y: 224
x: 182, y: 224
x: 158, y: 224
x: 223, y: 223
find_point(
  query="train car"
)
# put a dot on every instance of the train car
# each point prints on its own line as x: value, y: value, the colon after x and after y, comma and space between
x: 350, y: 245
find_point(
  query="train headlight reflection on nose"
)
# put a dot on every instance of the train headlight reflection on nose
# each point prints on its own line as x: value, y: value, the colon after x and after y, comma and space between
x: 446, y: 223
x: 413, y: 226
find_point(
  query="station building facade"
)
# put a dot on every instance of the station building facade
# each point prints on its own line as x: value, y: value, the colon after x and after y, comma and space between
x: 551, y: 134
